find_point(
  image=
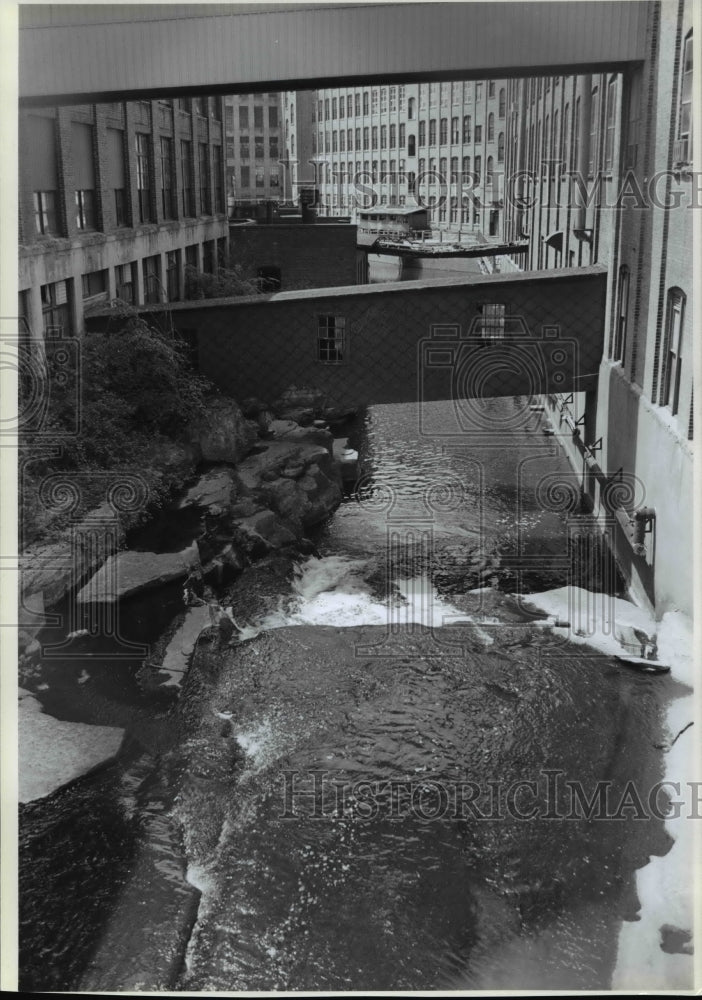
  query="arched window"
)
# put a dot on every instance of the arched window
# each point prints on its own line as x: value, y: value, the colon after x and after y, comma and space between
x: 432, y: 131
x: 411, y: 105
x: 466, y: 128
x: 502, y: 102
x: 491, y: 127
x: 501, y: 148
x: 411, y: 151
x: 443, y: 131
x: 422, y: 133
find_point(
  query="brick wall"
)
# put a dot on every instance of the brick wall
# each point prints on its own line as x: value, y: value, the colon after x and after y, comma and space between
x: 260, y: 346
x: 309, y: 256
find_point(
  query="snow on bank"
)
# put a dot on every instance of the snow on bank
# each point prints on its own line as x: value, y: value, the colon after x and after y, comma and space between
x: 665, y: 886
x: 53, y: 753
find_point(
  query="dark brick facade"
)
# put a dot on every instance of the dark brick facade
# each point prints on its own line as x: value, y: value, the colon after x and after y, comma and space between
x: 402, y: 342
x: 308, y: 256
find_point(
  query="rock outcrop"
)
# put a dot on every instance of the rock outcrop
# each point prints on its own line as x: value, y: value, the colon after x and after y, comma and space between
x: 223, y: 434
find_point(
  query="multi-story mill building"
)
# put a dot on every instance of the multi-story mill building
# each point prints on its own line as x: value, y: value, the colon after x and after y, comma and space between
x: 441, y: 145
x: 602, y: 175
x: 253, y: 147
x: 114, y: 201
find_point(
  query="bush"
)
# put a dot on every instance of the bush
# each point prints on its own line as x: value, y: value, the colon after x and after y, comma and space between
x: 226, y: 283
x: 136, y: 387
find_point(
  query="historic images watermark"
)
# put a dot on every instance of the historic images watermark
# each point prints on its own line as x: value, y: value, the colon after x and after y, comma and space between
x: 552, y: 186
x: 321, y: 795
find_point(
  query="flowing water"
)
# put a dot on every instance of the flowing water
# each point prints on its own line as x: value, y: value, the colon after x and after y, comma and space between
x: 342, y: 784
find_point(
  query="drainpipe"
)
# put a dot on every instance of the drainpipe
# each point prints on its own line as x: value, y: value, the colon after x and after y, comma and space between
x: 580, y: 216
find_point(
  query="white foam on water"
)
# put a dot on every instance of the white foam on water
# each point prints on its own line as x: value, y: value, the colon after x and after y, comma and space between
x: 665, y: 886
x: 260, y: 745
x: 332, y: 591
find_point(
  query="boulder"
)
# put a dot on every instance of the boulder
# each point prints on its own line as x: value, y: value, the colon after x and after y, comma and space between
x: 288, y: 430
x: 130, y: 572
x: 267, y: 528
x: 214, y: 490
x: 222, y: 434
x: 53, y: 753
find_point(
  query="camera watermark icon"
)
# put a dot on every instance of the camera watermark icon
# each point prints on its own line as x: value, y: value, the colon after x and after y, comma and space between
x: 48, y: 374
x: 497, y: 356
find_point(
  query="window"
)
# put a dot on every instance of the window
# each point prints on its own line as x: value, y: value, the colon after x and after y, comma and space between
x: 331, y: 346
x: 273, y: 150
x: 85, y: 209
x: 594, y: 115
x: 411, y: 151
x: 374, y: 101
x: 432, y: 131
x: 187, y: 174
x: 95, y: 285
x: 454, y: 170
x: 401, y: 97
x: 143, y: 177
x: 120, y: 207
x: 199, y: 105
x: 268, y: 278
x: 422, y: 133
x: 273, y: 115
x: 204, y: 163
x: 492, y: 321
x: 357, y: 104
x: 208, y: 257
x: 491, y: 88
x: 45, y: 212
x: 334, y: 108
x: 168, y: 206
x: 335, y: 141
x: 393, y: 137
x: 349, y: 106
x: 358, y: 138
x: 172, y: 268
x: 620, y: 321
x: 683, y: 151
x: 55, y: 308
x: 349, y: 139
x: 246, y: 177
x: 491, y: 127
x: 365, y: 102
x: 259, y: 148
x: 342, y: 141
x: 411, y: 108
x: 501, y: 103
x: 258, y: 116
x: 83, y: 175
x: 489, y: 170
x: 466, y: 128
x: 217, y: 169
x: 501, y: 148
x: 478, y: 165
x: 383, y: 137
x: 611, y: 119
x: 576, y: 136
x: 260, y: 177
x: 151, y: 267
x: 478, y: 92
x: 454, y: 130
x: 672, y: 357
x: 465, y: 169
x: 326, y: 109
x: 393, y: 98
x: 478, y: 133
x: 366, y: 138
x: 443, y: 131
x: 374, y: 137
x: 124, y: 282
x: 243, y: 117
x: 244, y: 147
x: 274, y: 179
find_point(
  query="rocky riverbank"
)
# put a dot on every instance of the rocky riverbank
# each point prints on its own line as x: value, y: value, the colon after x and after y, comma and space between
x: 257, y: 483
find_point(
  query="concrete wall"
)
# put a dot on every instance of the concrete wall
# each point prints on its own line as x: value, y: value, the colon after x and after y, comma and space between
x: 308, y: 256
x: 402, y: 342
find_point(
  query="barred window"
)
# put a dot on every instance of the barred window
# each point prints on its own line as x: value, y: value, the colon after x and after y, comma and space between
x: 331, y: 339
x: 492, y: 321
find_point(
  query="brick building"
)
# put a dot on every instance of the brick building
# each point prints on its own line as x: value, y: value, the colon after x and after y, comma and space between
x: 603, y: 174
x: 252, y: 125
x: 114, y: 201
x: 437, y: 144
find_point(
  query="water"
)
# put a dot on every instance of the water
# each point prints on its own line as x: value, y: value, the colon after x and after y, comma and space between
x: 337, y: 785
